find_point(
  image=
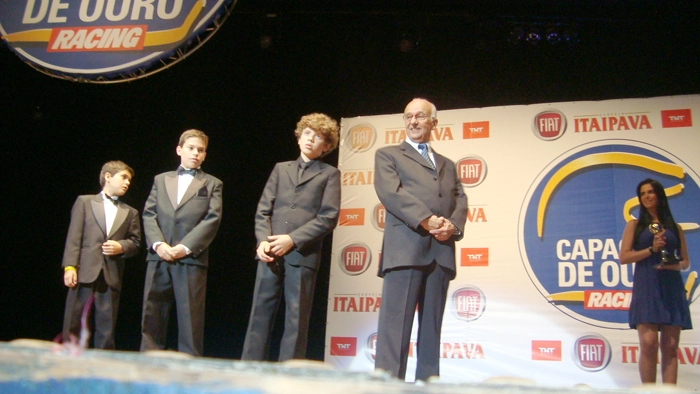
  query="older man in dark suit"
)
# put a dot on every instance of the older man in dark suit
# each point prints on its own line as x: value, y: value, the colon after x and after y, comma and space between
x: 426, y: 212
x: 180, y: 219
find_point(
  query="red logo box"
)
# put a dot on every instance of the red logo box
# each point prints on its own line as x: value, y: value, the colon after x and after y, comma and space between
x: 676, y: 118
x: 343, y: 346
x: 546, y: 350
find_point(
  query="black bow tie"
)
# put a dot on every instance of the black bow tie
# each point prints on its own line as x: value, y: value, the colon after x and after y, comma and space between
x: 188, y: 171
x: 112, y: 200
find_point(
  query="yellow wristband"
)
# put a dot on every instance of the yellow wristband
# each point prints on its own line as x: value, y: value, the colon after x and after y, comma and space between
x: 68, y: 268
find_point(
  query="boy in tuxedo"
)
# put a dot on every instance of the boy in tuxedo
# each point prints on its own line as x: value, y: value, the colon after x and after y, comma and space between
x: 299, y: 206
x: 103, y: 232
x: 180, y: 219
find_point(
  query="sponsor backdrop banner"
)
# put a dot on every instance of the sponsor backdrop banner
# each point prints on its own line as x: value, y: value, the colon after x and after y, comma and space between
x: 539, y: 292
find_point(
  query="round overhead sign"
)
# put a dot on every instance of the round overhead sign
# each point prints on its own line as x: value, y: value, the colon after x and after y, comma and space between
x: 108, y: 40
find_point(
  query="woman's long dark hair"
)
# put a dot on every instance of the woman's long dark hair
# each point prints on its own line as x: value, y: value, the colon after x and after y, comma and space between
x: 663, y: 211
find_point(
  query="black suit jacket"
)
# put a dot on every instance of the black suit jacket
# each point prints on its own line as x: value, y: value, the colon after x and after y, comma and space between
x: 193, y: 222
x: 87, y: 233
x: 411, y: 191
x: 306, y: 210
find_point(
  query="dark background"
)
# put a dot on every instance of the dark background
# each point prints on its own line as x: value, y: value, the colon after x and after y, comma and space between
x: 337, y: 57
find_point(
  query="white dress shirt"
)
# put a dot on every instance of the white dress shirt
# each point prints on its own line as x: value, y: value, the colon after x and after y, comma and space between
x: 110, y: 211
x: 183, y: 182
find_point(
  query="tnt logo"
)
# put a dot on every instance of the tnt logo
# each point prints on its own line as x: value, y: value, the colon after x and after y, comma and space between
x: 549, y: 125
x: 371, y: 347
x: 474, y: 257
x: 355, y: 259
x: 361, y: 137
x: 592, y: 353
x: 343, y: 346
x: 472, y: 130
x: 468, y: 303
x: 676, y: 118
x: 546, y: 350
x: 471, y: 170
x: 352, y: 217
x: 379, y: 217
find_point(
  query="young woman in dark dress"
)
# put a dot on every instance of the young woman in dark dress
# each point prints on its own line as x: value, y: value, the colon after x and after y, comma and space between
x: 659, y: 301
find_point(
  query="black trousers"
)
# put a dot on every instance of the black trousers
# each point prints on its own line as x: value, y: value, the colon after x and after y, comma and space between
x: 403, y: 290
x: 184, y: 284
x: 271, y: 282
x: 105, y: 308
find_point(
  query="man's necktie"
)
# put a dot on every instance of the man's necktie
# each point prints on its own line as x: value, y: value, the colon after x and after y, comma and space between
x: 300, y: 173
x: 424, y: 152
x: 189, y: 171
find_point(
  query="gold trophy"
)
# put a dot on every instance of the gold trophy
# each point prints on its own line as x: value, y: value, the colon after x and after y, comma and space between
x: 666, y: 257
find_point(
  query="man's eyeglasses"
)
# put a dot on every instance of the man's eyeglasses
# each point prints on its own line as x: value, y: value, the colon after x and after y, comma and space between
x: 419, y: 116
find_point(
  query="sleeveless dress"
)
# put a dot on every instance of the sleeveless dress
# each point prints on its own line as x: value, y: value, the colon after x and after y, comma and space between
x: 658, y: 296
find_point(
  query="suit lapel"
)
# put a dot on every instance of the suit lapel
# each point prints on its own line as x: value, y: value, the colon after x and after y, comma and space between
x: 291, y: 170
x: 310, y: 172
x: 439, y: 161
x: 171, y: 188
x: 414, y: 155
x: 98, y: 211
x: 118, y: 220
x: 192, y: 189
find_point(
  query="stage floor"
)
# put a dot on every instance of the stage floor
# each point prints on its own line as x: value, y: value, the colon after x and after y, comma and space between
x: 32, y: 366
